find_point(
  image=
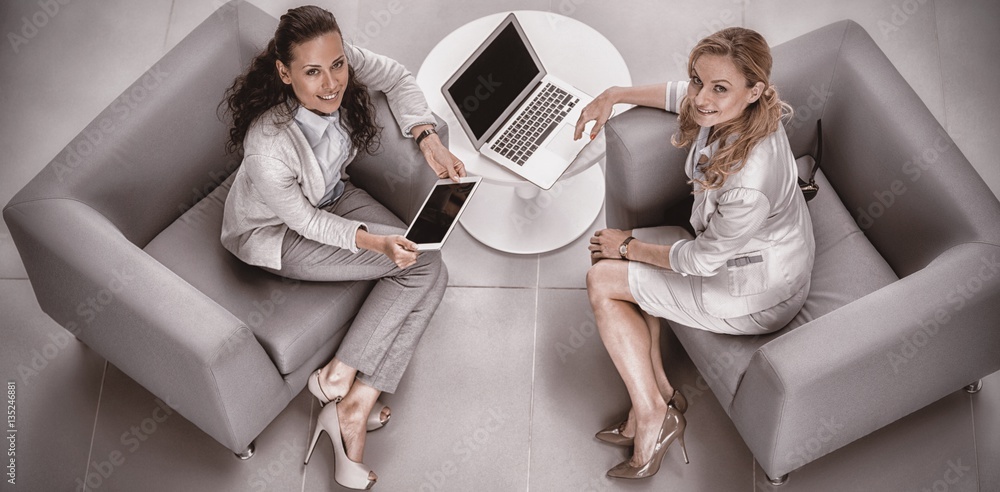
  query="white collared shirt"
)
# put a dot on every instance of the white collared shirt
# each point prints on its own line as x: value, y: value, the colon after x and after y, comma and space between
x: 331, y: 144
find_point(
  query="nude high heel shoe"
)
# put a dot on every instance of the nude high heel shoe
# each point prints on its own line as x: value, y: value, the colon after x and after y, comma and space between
x: 347, y: 473
x: 672, y: 428
x: 613, y: 434
x: 375, y: 420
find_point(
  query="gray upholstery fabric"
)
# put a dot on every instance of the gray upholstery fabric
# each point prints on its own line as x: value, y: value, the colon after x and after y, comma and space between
x: 289, y: 318
x: 868, y: 348
x: 847, y: 268
x: 173, y: 309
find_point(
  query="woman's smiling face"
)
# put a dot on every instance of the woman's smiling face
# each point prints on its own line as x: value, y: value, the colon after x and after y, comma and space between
x: 719, y: 91
x: 318, y: 73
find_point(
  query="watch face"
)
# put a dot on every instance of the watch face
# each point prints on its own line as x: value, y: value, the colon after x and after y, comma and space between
x: 623, y: 249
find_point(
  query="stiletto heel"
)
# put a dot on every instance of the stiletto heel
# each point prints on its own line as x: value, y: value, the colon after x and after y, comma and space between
x: 672, y: 428
x: 374, y: 422
x: 684, y: 449
x: 613, y: 434
x: 347, y: 473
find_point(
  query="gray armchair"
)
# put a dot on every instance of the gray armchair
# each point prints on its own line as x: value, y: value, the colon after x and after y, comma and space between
x: 120, y: 239
x: 903, y: 308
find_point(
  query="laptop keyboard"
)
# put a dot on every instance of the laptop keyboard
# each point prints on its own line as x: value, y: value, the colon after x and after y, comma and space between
x: 543, y: 114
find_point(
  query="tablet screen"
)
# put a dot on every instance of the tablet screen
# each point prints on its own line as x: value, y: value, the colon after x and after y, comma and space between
x: 439, y: 212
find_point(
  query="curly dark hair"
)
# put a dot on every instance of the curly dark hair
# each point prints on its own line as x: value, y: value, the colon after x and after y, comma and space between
x: 260, y: 88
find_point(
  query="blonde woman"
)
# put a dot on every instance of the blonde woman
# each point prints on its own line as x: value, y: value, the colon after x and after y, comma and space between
x: 747, y: 269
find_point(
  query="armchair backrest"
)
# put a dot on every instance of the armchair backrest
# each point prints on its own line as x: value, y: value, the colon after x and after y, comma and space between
x: 158, y: 149
x: 903, y: 179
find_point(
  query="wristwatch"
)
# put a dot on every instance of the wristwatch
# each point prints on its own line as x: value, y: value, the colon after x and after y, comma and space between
x: 623, y: 249
x: 424, y: 134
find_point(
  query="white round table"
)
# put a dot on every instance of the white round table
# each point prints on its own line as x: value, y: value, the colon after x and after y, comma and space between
x: 509, y: 213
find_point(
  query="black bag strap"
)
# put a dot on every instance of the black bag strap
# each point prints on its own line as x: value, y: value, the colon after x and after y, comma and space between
x: 809, y: 189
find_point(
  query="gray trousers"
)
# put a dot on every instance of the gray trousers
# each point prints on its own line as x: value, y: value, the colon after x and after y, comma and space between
x: 383, y: 336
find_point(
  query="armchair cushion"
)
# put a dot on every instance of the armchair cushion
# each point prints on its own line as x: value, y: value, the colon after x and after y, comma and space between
x: 847, y: 268
x: 289, y: 327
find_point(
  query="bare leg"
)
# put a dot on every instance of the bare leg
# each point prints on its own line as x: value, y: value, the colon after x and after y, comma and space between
x: 353, y: 412
x: 626, y: 336
x: 655, y: 353
x: 337, y: 378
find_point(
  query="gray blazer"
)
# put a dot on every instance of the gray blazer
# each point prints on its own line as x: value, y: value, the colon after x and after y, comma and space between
x: 279, y: 183
x: 754, y: 244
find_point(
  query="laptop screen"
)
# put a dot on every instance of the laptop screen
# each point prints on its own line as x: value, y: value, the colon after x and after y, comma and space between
x: 494, y: 80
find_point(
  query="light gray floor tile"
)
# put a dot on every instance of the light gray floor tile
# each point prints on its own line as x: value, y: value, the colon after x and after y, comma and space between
x: 567, y: 267
x: 970, y: 46
x: 655, y: 37
x: 909, y: 40
x: 577, y: 392
x: 57, y: 381
x: 409, y: 30
x: 932, y: 445
x: 473, y: 264
x: 10, y: 261
x: 460, y: 415
x: 139, y: 445
x: 986, y: 410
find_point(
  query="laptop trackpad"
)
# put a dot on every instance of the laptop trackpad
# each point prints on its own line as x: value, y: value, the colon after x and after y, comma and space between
x: 563, y: 144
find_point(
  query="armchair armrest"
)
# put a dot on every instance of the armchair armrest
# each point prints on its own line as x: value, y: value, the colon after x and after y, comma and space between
x: 397, y: 175
x: 645, y: 172
x: 908, y: 344
x: 168, y: 336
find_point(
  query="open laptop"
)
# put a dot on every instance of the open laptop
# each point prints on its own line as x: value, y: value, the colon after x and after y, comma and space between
x: 513, y: 110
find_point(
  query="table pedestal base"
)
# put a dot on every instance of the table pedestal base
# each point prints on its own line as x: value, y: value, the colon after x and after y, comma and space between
x: 524, y: 219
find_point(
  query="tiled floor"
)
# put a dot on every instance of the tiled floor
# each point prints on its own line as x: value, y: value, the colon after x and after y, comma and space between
x: 511, y: 379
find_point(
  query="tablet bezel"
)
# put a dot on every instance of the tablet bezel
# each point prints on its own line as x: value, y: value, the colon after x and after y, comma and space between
x: 446, y: 181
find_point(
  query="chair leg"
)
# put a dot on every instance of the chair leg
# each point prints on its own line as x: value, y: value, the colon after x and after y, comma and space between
x: 247, y: 453
x: 777, y: 482
x: 975, y: 387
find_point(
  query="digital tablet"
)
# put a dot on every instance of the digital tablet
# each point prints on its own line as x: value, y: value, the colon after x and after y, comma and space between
x: 440, y: 212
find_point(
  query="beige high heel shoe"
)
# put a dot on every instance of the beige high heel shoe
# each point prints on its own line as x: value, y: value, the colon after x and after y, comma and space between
x: 613, y: 434
x: 672, y: 428
x: 375, y: 420
x: 347, y: 473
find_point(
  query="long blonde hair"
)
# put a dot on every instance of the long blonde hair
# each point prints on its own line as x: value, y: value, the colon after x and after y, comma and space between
x: 752, y: 57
